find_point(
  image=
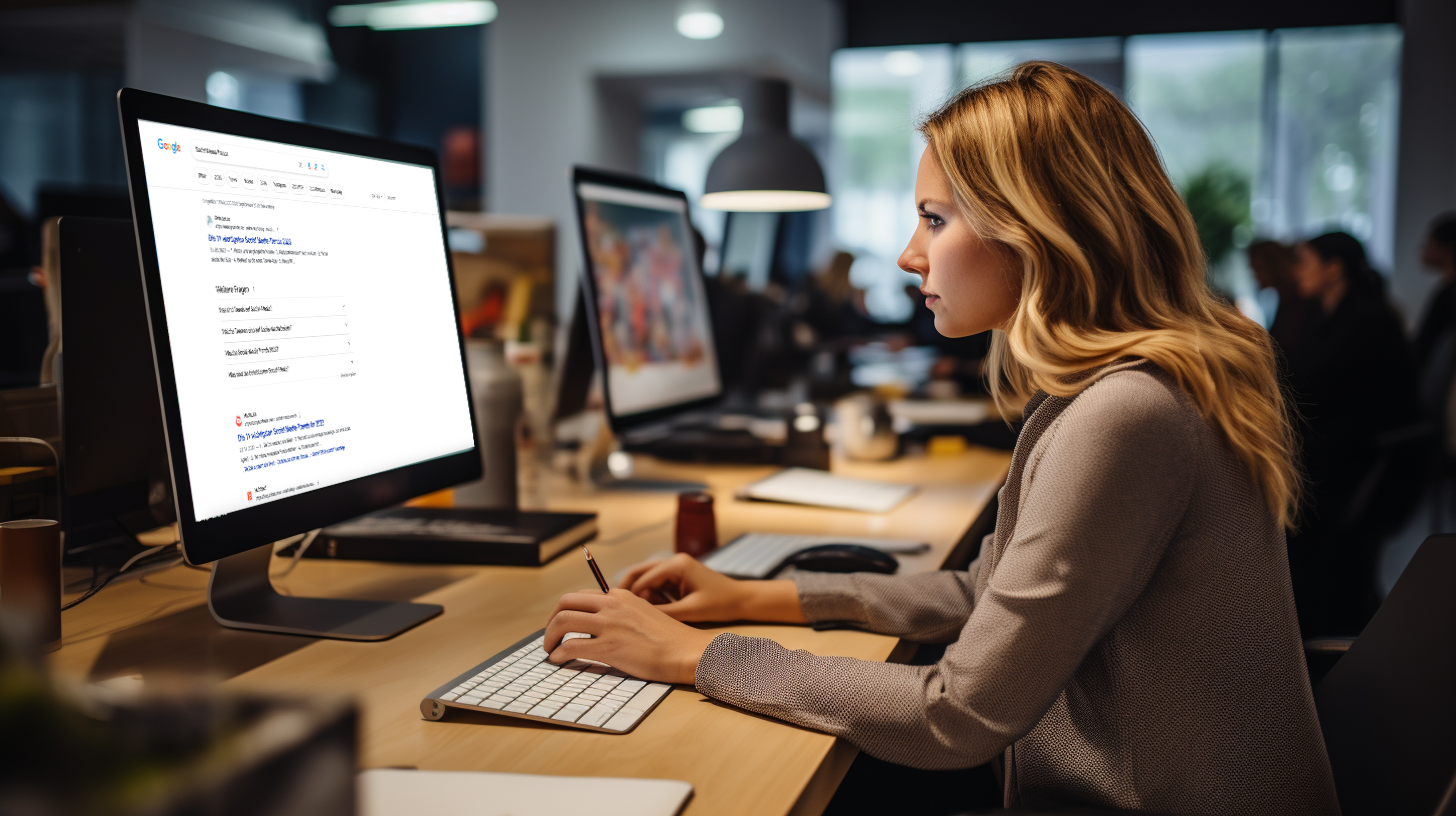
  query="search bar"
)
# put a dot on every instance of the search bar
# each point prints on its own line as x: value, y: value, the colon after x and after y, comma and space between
x: 261, y: 159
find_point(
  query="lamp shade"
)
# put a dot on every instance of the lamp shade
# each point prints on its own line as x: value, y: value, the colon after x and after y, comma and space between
x: 766, y: 169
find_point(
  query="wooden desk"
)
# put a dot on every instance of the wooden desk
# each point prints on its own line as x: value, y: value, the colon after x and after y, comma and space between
x: 738, y: 762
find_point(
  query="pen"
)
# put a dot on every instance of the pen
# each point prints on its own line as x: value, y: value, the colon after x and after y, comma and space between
x: 596, y: 571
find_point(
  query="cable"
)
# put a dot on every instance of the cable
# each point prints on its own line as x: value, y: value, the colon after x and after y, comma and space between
x: 97, y: 587
x: 303, y: 545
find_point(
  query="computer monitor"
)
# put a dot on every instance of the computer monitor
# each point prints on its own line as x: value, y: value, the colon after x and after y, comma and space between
x: 115, y: 458
x: 306, y: 338
x: 647, y: 309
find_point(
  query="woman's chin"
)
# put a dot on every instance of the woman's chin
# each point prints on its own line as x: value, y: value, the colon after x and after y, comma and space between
x: 950, y: 328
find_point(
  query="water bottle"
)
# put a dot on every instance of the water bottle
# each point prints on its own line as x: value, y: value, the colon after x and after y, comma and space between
x: 497, y: 392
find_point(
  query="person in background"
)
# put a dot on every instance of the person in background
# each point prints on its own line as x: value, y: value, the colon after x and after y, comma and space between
x: 1353, y: 380
x: 1439, y: 256
x: 833, y: 306
x: 1273, y: 266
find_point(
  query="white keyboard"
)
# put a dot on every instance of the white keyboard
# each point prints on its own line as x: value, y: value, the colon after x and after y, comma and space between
x: 760, y: 555
x: 519, y: 682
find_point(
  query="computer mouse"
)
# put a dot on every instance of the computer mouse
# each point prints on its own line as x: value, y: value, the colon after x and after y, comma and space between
x: 841, y: 558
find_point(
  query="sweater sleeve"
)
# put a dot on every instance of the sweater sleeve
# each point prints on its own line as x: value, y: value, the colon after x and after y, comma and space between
x: 1102, y: 496
x: 927, y: 608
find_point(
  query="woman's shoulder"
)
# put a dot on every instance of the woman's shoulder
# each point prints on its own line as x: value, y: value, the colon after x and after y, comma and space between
x: 1135, y: 399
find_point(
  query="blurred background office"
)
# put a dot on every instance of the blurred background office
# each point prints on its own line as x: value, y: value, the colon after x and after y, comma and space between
x: 1279, y: 121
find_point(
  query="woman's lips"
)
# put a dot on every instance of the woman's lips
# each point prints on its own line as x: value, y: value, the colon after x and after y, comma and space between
x: 930, y: 299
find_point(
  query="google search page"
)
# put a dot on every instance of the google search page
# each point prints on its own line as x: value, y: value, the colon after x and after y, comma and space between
x: 310, y: 314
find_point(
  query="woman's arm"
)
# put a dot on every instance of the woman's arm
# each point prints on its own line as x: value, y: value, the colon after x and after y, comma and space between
x: 1100, y: 507
x: 928, y: 608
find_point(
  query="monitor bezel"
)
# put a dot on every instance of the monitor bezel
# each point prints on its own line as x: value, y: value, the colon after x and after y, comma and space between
x: 623, y: 422
x: 251, y: 527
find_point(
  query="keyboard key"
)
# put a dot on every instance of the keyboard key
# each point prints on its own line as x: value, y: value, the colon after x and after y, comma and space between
x: 595, y: 717
x: 623, y: 720
x: 647, y: 696
x: 633, y: 685
x: 448, y: 696
x: 493, y: 703
x: 570, y: 713
x: 521, y: 706
x: 545, y: 709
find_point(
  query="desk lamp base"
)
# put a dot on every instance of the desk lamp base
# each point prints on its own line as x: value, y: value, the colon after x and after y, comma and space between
x: 240, y: 595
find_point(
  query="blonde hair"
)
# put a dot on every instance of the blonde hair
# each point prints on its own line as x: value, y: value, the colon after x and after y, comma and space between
x: 1053, y: 167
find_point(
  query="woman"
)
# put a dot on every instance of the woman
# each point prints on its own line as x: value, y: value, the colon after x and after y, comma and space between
x: 1126, y: 637
x: 1353, y: 381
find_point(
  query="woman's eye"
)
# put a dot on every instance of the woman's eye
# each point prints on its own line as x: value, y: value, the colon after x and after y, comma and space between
x: 933, y: 220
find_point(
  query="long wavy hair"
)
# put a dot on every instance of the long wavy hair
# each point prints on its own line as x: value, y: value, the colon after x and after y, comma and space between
x: 1052, y: 166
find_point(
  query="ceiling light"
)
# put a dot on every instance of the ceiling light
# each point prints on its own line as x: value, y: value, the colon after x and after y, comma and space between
x: 415, y: 14
x: 765, y: 200
x: 766, y: 169
x: 224, y: 90
x: 699, y: 25
x: 903, y: 63
x: 713, y: 119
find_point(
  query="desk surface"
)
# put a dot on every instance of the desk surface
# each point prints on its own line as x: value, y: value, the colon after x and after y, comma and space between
x: 738, y: 762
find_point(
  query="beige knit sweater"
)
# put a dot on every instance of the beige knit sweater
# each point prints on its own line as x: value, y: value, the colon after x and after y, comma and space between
x: 1127, y: 637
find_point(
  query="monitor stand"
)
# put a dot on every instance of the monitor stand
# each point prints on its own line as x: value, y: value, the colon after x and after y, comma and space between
x: 241, y: 596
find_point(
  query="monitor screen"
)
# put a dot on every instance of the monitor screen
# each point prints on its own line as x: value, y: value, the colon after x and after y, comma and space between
x: 308, y: 312
x: 651, y: 310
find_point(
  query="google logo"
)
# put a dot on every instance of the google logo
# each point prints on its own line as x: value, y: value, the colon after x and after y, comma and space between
x: 172, y: 146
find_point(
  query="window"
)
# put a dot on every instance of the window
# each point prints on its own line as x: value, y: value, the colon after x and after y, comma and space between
x: 879, y: 95
x: 1284, y: 133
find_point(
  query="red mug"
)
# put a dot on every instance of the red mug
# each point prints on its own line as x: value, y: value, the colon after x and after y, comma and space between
x: 697, y: 529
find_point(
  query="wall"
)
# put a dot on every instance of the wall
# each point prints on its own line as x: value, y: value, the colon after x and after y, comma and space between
x: 1426, y: 178
x: 543, y: 111
x: 173, y: 45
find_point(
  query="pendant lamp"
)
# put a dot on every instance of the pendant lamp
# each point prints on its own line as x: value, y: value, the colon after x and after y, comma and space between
x: 766, y: 169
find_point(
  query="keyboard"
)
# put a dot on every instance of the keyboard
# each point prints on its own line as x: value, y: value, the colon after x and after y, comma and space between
x: 761, y: 555
x: 519, y: 682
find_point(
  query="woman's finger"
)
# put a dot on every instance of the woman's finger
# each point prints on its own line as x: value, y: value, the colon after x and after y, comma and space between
x: 662, y: 573
x: 576, y: 648
x: 569, y: 621
x: 635, y: 572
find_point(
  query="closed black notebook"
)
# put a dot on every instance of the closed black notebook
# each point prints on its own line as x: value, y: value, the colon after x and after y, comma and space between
x: 433, y: 535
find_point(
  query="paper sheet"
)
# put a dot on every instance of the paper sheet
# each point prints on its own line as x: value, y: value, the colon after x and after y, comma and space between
x: 396, y: 792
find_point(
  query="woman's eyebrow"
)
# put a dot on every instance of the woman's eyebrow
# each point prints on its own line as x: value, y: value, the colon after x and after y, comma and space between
x: 920, y: 205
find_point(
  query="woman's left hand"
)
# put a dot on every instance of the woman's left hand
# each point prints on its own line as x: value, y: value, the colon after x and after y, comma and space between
x: 628, y: 633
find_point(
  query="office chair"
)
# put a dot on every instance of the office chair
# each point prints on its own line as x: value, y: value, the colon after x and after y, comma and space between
x: 1388, y: 706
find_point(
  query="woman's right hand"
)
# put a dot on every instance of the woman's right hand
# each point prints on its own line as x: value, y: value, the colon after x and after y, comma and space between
x: 688, y: 591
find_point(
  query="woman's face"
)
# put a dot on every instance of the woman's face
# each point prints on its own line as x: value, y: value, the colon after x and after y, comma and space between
x: 971, y: 285
x: 1315, y: 275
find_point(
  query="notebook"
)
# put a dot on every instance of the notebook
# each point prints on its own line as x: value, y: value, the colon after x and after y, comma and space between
x: 821, y: 489
x: 398, y: 792
x: 443, y: 535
